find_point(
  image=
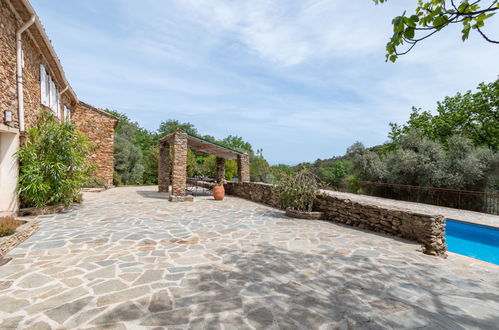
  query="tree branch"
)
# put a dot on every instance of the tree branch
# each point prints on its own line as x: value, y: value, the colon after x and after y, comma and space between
x: 486, y: 38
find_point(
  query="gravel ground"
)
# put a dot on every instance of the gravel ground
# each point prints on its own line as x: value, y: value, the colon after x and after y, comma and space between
x: 484, y: 218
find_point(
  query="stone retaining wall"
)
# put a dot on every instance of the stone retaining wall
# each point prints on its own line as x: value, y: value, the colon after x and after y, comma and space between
x: 427, y: 229
x: 255, y: 191
x: 22, y: 233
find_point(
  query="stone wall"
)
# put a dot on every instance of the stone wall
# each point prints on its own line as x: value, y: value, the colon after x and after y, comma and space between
x: 255, y: 191
x: 179, y: 164
x: 163, y: 167
x: 33, y: 57
x: 21, y: 234
x: 243, y: 168
x: 427, y: 229
x: 98, y: 126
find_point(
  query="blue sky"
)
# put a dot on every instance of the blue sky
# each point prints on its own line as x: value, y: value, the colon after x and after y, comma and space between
x: 300, y: 79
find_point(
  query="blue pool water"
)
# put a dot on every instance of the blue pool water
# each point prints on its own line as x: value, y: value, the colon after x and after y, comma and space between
x: 473, y: 240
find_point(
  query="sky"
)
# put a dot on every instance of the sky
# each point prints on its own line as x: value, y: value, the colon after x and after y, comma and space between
x: 300, y: 79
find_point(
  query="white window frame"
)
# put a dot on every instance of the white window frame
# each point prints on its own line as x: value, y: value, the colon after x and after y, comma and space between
x: 67, y: 114
x: 49, y: 94
x: 43, y: 86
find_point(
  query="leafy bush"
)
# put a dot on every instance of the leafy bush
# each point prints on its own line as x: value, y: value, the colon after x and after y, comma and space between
x: 297, y: 191
x: 335, y: 174
x: 8, y: 226
x: 53, y: 163
x: 420, y: 161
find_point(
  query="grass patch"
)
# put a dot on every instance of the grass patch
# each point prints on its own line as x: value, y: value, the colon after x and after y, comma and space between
x: 8, y: 226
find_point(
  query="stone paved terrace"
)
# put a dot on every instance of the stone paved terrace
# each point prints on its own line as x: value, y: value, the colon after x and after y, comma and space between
x: 127, y: 258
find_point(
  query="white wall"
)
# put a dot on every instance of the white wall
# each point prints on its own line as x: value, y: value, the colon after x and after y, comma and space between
x: 9, y: 169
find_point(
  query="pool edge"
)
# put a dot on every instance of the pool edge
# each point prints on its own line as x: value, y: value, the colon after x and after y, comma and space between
x: 473, y: 222
x: 485, y: 263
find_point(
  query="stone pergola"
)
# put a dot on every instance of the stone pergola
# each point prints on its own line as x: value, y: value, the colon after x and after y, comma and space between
x: 177, y: 144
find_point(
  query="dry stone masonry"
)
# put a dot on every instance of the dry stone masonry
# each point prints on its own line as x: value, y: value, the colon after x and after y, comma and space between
x: 163, y: 167
x: 243, y: 168
x: 98, y: 126
x: 427, y: 229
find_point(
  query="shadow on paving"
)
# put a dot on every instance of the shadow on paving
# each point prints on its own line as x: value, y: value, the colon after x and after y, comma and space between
x: 299, y: 290
x: 152, y: 194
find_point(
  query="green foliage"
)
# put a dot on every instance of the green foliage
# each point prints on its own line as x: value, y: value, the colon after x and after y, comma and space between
x: 53, y: 163
x: 474, y: 115
x: 150, y: 163
x: 335, y: 174
x: 127, y: 156
x: 419, y: 161
x: 260, y: 170
x: 170, y: 126
x: 280, y: 170
x: 297, y: 191
x: 237, y: 143
x: 353, y: 184
x: 432, y: 16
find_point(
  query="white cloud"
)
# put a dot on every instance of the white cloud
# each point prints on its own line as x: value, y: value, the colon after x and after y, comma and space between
x: 302, y: 79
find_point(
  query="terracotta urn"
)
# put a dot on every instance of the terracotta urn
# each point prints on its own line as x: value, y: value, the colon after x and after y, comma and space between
x: 218, y: 192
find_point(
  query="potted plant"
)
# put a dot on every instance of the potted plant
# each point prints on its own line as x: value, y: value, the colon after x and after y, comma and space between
x: 218, y: 189
x: 297, y: 194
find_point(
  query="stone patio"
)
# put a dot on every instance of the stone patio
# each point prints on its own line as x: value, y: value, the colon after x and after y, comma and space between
x: 126, y: 258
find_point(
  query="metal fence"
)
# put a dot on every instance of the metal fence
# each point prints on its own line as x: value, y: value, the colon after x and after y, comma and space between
x: 479, y: 201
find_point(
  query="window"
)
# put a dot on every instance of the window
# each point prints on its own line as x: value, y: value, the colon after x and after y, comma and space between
x: 67, y: 114
x: 48, y: 91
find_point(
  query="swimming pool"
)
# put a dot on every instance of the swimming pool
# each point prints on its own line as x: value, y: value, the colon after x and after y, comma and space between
x: 473, y: 240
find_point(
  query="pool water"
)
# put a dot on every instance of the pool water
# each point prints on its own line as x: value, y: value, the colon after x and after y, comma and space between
x: 473, y: 240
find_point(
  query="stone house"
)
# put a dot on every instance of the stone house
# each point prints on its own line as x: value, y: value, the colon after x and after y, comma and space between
x: 32, y: 79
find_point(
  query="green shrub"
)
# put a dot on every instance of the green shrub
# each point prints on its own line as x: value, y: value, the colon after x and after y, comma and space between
x: 335, y: 174
x: 53, y: 163
x: 297, y: 191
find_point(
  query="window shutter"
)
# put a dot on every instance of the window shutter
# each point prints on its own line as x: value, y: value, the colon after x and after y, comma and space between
x: 43, y: 85
x: 53, y: 96
x: 67, y: 114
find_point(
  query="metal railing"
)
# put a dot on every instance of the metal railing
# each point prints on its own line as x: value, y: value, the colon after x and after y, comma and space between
x: 479, y: 201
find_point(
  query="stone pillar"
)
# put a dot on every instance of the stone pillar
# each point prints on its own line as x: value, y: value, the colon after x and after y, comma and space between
x: 243, y: 168
x: 179, y: 164
x: 220, y: 174
x: 163, y: 167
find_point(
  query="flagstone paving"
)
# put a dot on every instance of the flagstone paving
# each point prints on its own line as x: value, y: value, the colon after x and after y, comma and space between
x: 128, y: 258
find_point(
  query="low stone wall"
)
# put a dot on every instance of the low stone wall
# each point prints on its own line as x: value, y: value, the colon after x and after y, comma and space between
x: 23, y: 232
x: 255, y: 191
x: 33, y: 211
x: 427, y: 229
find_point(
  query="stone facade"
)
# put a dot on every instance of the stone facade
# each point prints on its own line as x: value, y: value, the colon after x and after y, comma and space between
x: 37, y: 51
x: 163, y: 167
x: 179, y: 166
x: 255, y: 191
x: 98, y: 126
x: 427, y: 229
x: 243, y: 168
